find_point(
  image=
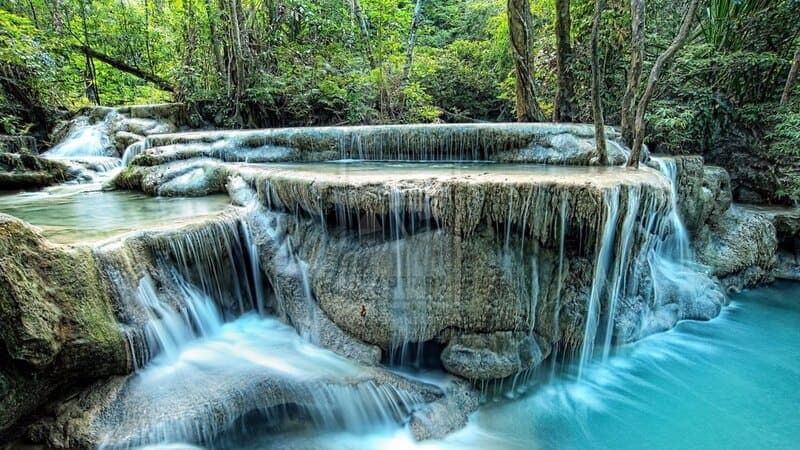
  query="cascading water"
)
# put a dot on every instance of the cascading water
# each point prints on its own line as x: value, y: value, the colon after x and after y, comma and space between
x: 86, y: 140
x: 131, y: 152
x: 169, y: 329
x: 206, y: 374
x: 210, y: 356
x: 677, y: 286
x: 88, y: 148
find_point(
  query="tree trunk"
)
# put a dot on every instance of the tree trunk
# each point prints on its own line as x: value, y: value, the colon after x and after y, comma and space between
x: 412, y: 39
x: 655, y: 73
x: 628, y: 112
x: 364, y: 27
x: 519, y: 27
x: 89, y: 73
x: 792, y: 78
x: 384, y: 102
x: 121, y: 66
x: 238, y: 53
x: 214, y: 38
x: 563, y: 110
x: 90, y: 80
x: 597, y: 102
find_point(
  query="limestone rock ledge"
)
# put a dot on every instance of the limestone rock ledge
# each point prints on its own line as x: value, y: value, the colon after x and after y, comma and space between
x: 787, y: 228
x: 539, y: 143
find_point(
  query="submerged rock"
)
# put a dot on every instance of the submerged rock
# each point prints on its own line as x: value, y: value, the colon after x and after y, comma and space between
x: 492, y: 356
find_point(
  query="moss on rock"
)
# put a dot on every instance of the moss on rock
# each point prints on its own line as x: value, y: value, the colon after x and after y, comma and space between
x: 56, y: 323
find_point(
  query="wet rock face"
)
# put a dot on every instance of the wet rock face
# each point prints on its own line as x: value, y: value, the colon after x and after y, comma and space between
x: 704, y: 192
x: 23, y: 145
x: 738, y: 244
x: 445, y: 283
x: 787, y: 229
x: 56, y: 323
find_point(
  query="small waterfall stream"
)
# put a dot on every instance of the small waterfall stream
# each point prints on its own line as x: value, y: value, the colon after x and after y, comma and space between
x: 214, y: 357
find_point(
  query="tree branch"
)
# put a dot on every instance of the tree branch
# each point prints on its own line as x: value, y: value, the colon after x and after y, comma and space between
x: 159, y: 82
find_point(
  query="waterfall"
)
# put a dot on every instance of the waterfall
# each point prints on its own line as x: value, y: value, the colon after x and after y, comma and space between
x: 168, y: 329
x: 603, y: 260
x: 131, y: 152
x: 662, y: 272
x: 677, y: 244
x: 212, y: 256
x: 85, y: 140
x: 201, y: 374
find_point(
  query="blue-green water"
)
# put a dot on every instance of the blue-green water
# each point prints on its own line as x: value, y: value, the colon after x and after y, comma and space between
x: 732, y: 383
x: 71, y: 213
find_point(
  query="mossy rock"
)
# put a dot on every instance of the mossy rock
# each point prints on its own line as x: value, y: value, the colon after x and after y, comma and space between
x: 56, y: 322
x: 23, y: 171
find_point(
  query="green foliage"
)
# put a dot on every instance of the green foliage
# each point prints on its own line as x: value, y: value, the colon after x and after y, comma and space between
x: 783, y: 140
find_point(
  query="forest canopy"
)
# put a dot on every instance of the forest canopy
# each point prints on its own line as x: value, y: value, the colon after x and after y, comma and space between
x: 725, y: 93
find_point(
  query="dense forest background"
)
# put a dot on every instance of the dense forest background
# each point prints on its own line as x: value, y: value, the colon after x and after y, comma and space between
x: 727, y: 93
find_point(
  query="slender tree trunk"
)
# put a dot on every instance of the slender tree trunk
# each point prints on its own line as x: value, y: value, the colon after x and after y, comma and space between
x: 190, y: 37
x: 563, y: 109
x: 33, y: 14
x: 597, y: 102
x: 628, y: 112
x: 412, y: 39
x: 519, y: 27
x: 363, y: 25
x: 384, y: 102
x: 655, y: 73
x: 792, y: 78
x: 214, y: 38
x: 89, y: 73
x: 58, y: 16
x: 148, y: 52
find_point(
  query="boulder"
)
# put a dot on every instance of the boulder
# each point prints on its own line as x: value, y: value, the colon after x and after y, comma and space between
x: 786, y: 221
x: 192, y: 178
x: 740, y: 248
x: 492, y: 355
x: 56, y: 323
